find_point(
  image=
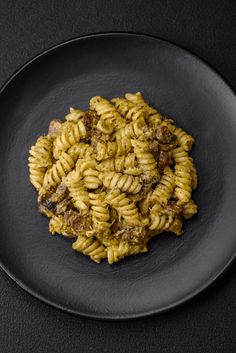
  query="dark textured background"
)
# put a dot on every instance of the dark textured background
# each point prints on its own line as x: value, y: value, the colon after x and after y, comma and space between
x: 205, y: 324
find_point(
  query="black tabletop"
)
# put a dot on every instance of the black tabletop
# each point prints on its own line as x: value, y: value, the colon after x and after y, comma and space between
x: 205, y: 324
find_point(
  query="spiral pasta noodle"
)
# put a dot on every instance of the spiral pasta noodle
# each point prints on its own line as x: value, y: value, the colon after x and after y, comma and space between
x: 165, y: 188
x: 122, y: 105
x: 59, y: 170
x: 70, y: 134
x: 107, y: 112
x: 189, y: 209
x: 181, y: 157
x: 74, y: 115
x: 123, y: 182
x: 128, y: 109
x: 40, y: 158
x: 126, y: 164
x: 90, y: 247
x: 185, y: 140
x: 116, y: 164
x: 105, y: 127
x: 124, y: 207
x: 112, y: 149
x: 87, y: 170
x: 163, y: 220
x: 194, y: 176
x: 80, y: 150
x: 153, y: 116
x: 100, y: 213
x: 78, y: 192
x: 146, y: 159
x: 183, y: 178
x: 114, y: 176
x: 117, y: 252
x: 133, y: 129
x: 183, y: 183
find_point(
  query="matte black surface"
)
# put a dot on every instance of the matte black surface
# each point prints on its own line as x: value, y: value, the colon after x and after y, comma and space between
x: 182, y: 87
x: 207, y: 323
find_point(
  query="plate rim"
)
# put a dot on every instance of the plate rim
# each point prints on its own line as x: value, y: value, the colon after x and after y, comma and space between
x: 184, y: 299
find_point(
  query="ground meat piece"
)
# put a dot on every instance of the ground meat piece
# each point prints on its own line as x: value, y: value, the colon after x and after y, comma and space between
x: 168, y: 146
x: 96, y: 137
x: 114, y: 228
x: 162, y: 159
x: 77, y: 221
x: 54, y: 201
x: 165, y: 147
x: 60, y: 193
x: 90, y: 118
x: 172, y: 206
x: 136, y: 197
x: 44, y: 210
x: 51, y: 206
x: 163, y: 134
x: 132, y: 235
x: 42, y: 197
x: 61, y: 189
x: 154, y: 184
x: 62, y: 206
x: 45, y: 206
x: 153, y: 147
x: 54, y: 127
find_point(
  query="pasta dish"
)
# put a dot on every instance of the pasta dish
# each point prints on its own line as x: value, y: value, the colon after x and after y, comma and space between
x: 114, y: 176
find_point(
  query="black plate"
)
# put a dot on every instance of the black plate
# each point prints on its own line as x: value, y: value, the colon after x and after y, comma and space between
x: 175, y: 269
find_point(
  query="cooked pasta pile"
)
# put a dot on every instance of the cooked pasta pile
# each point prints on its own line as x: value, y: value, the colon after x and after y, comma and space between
x: 114, y: 176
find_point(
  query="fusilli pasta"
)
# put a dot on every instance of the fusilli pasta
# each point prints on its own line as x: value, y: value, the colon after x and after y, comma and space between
x: 59, y: 170
x: 39, y: 160
x: 125, y: 208
x: 107, y: 112
x: 165, y: 188
x: 153, y: 116
x: 77, y: 191
x: 74, y: 115
x: 124, y: 182
x: 71, y: 133
x: 128, y: 109
x: 146, y: 159
x: 91, y: 247
x: 100, y: 213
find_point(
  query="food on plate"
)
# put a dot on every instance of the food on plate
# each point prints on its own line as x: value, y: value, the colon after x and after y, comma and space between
x: 114, y: 176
